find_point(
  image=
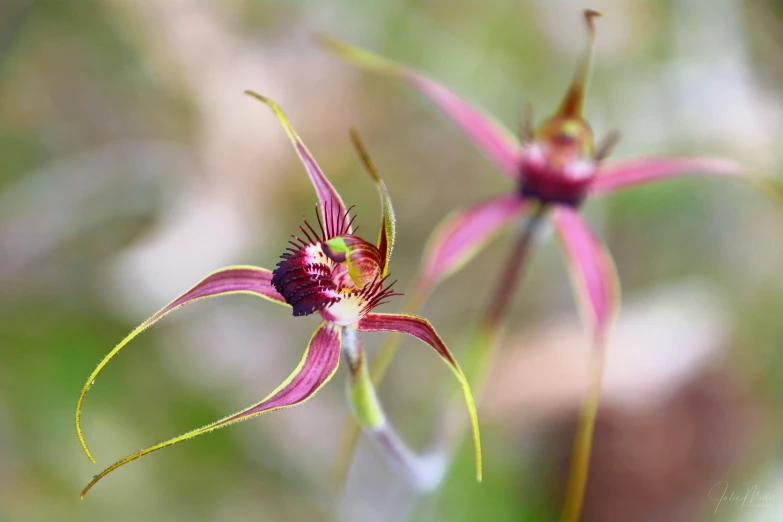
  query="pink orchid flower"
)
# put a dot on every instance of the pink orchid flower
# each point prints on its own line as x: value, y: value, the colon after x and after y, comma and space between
x: 554, y: 168
x: 327, y: 269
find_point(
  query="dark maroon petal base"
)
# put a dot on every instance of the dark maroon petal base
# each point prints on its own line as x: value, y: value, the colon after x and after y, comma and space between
x: 304, y: 276
x: 548, y: 186
x: 303, y: 282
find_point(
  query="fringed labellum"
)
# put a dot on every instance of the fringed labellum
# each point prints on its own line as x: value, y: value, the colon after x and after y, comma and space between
x: 332, y: 272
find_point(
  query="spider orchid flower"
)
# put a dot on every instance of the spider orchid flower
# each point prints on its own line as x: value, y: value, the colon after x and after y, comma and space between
x: 326, y: 270
x: 554, y: 168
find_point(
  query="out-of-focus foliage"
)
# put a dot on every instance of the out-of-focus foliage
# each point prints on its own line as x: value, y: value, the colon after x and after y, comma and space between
x: 131, y: 165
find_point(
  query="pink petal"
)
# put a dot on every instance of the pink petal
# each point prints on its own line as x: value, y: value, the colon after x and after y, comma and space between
x: 629, y: 173
x: 422, y: 329
x: 487, y: 133
x: 315, y: 369
x: 464, y: 233
x: 332, y: 207
x: 231, y: 280
x: 593, y: 271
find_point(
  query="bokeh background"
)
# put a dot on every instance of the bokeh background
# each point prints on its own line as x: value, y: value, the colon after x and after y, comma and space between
x: 131, y: 165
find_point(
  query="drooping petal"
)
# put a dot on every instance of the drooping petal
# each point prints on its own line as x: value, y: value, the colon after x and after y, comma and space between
x: 333, y: 209
x: 317, y: 366
x: 593, y: 272
x: 494, y: 140
x: 461, y: 235
x: 598, y: 293
x: 629, y: 173
x: 231, y: 280
x: 423, y: 330
x: 386, y: 233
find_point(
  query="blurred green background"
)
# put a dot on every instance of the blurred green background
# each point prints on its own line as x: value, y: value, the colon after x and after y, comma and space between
x: 131, y: 165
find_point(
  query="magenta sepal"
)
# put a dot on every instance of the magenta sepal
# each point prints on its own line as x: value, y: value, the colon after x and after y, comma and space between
x: 462, y: 235
x: 316, y: 368
x: 592, y: 269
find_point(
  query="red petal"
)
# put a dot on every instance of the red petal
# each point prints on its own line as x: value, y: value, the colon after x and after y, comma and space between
x: 333, y: 209
x: 315, y: 369
x: 230, y: 280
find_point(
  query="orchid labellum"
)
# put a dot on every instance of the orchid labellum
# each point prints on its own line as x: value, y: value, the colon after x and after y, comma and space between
x: 326, y: 270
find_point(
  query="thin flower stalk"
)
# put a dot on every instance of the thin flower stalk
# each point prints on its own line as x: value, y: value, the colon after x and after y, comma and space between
x: 486, y: 336
x: 424, y: 472
x: 556, y: 166
x: 328, y: 270
x: 486, y: 333
x: 583, y: 438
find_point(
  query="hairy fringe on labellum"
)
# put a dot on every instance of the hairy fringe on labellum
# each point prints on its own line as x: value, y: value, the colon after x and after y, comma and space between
x: 305, y: 276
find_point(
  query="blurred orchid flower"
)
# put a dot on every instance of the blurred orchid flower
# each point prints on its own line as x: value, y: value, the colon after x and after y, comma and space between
x: 555, y: 167
x: 327, y: 270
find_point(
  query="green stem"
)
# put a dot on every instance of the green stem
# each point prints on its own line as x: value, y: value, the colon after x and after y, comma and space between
x: 423, y: 472
x: 481, y: 350
x: 346, y: 448
x: 583, y: 440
